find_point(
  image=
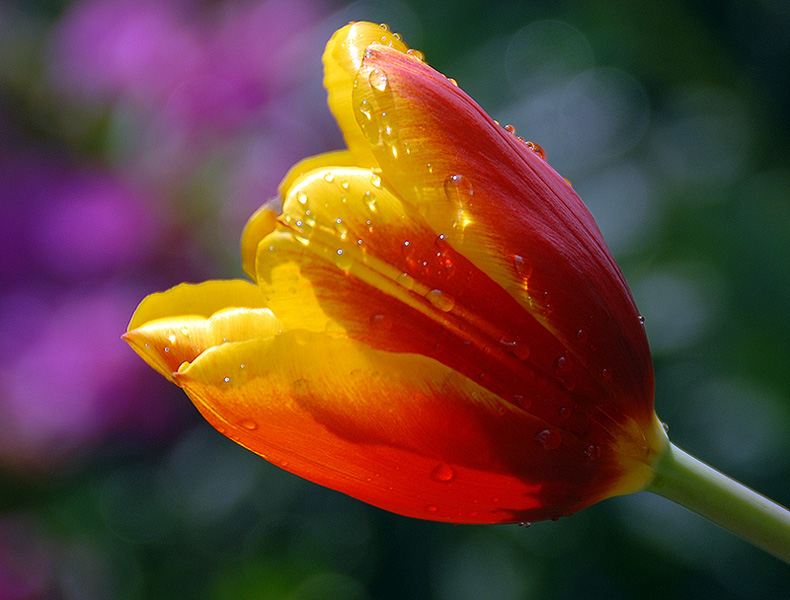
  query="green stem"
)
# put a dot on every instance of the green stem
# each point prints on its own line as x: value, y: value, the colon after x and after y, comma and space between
x: 691, y: 483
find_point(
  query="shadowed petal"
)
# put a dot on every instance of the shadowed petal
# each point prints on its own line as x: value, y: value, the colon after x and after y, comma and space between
x: 399, y: 431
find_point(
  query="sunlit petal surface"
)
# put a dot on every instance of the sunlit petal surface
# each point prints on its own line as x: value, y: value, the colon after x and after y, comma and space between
x: 436, y: 325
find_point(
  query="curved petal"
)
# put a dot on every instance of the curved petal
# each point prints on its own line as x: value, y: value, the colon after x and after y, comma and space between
x: 342, y: 59
x: 500, y: 205
x: 349, y: 256
x: 399, y: 431
x: 176, y: 326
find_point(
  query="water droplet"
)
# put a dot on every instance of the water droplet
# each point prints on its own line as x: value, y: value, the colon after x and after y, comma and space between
x: 366, y: 109
x: 443, y: 473
x: 405, y: 280
x: 525, y: 524
x: 329, y: 177
x: 242, y: 366
x: 537, y: 149
x: 641, y: 320
x: 167, y: 349
x: 581, y: 335
x: 549, y: 439
x: 518, y: 348
x: 665, y: 427
x: 510, y: 129
x: 341, y: 229
x: 301, y: 197
x: 381, y: 321
x: 458, y: 189
x: 375, y: 180
x: 564, y: 363
x: 384, y: 26
x: 171, y: 336
x: 249, y: 424
x: 592, y: 452
x: 343, y: 260
x: 226, y: 380
x: 522, y: 401
x: 416, y: 54
x: 441, y: 300
x: 606, y: 374
x: 522, y: 266
x: 566, y: 411
x: 378, y: 80
x: 431, y: 508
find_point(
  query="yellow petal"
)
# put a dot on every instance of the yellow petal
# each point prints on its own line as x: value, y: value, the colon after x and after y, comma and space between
x: 263, y: 221
x: 175, y: 326
x: 342, y: 59
x: 259, y: 225
x: 198, y: 299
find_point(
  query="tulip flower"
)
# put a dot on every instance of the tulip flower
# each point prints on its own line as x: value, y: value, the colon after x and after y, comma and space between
x: 434, y: 324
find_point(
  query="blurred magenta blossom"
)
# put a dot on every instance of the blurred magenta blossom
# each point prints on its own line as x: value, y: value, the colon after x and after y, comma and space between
x: 188, y: 113
x: 69, y: 381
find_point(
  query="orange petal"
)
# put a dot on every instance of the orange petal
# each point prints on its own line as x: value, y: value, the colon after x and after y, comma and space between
x: 399, y: 431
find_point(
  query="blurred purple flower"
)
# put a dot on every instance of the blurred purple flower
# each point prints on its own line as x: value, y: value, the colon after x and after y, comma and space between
x: 71, y: 223
x: 69, y: 380
x: 200, y: 69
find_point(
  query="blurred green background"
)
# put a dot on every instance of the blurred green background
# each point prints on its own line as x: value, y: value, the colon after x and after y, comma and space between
x: 136, y: 137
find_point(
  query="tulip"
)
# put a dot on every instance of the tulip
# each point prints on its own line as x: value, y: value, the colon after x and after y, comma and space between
x: 434, y: 325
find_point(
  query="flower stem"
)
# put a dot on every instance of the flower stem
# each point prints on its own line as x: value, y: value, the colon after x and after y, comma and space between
x: 691, y: 483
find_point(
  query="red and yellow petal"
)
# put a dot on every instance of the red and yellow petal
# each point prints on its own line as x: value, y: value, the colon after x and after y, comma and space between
x: 350, y: 257
x: 399, y: 431
x: 501, y: 206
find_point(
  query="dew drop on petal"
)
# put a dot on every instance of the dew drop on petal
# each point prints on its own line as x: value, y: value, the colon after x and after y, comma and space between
x: 381, y: 322
x: 443, y: 473
x: 249, y: 424
x: 522, y: 401
x: 226, y: 380
x: 537, y: 149
x: 441, y: 300
x: 458, y: 189
x: 366, y: 109
x: 375, y: 180
x: 592, y: 452
x: 431, y: 508
x: 329, y: 177
x: 378, y: 80
x: 405, y: 280
x: 549, y: 439
x: 416, y: 54
x: 563, y: 363
x: 522, y: 266
x: 343, y: 260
